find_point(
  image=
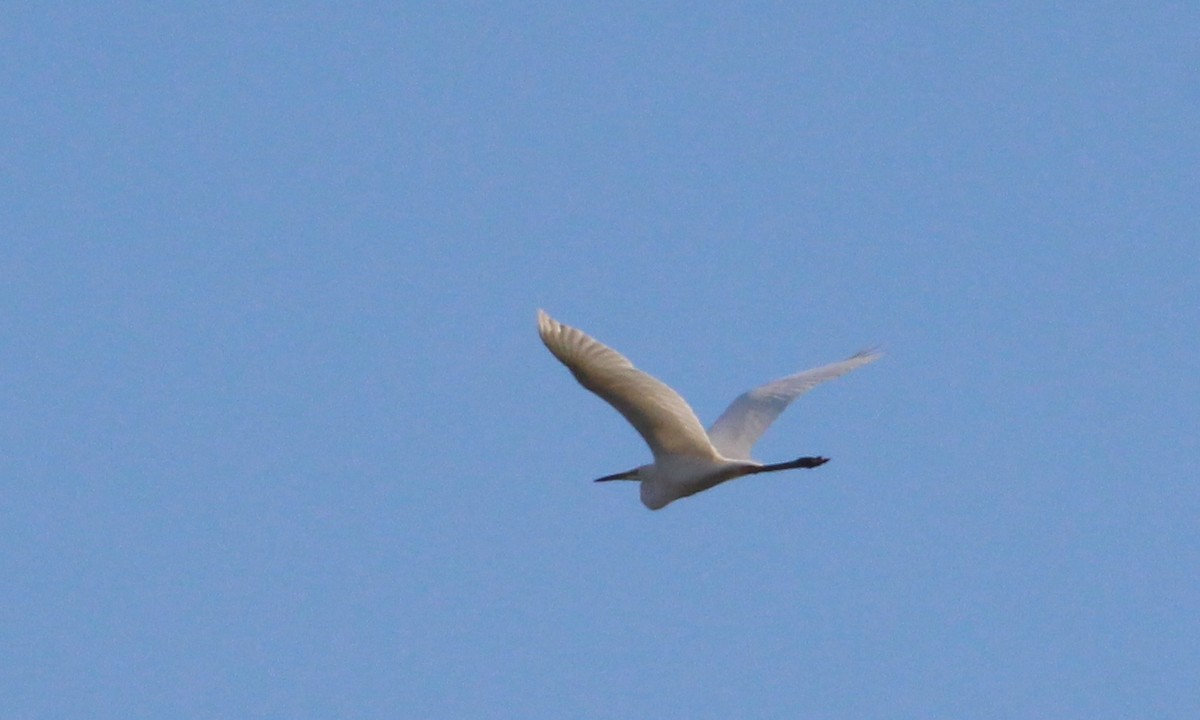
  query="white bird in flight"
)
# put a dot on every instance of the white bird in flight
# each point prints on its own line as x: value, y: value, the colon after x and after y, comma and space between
x: 686, y: 458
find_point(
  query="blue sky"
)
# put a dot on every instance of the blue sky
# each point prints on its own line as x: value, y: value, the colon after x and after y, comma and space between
x: 280, y: 439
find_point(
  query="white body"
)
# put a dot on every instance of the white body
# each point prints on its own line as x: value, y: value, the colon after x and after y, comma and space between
x: 686, y: 458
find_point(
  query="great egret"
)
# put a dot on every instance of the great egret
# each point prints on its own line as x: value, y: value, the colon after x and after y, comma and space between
x: 686, y: 459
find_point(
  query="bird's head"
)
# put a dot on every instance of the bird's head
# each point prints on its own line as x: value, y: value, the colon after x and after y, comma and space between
x: 638, y: 473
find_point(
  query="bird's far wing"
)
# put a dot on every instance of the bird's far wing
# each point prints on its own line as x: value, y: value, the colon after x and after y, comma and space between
x: 749, y: 416
x: 663, y: 418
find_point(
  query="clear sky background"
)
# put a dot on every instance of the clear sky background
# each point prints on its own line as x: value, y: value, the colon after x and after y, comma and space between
x: 279, y: 439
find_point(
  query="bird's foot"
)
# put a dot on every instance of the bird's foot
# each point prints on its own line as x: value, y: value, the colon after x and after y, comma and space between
x: 811, y: 462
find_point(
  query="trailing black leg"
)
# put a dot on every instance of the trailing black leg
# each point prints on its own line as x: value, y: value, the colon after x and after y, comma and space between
x: 804, y: 462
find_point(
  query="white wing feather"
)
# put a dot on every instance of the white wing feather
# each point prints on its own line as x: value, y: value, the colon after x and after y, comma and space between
x: 663, y: 418
x: 749, y: 416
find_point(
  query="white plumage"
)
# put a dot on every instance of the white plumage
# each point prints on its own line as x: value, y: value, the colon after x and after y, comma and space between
x: 686, y: 458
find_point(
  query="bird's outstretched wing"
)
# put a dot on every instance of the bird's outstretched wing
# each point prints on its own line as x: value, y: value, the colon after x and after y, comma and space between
x: 749, y: 416
x: 663, y: 418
